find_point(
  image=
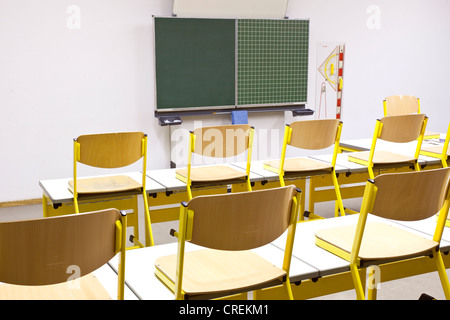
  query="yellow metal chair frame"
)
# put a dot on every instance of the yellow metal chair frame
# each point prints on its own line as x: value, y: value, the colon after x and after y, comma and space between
x: 52, y: 251
x: 407, y: 196
x: 310, y: 135
x: 440, y: 152
x: 399, y: 129
x: 229, y: 226
x: 223, y: 145
x: 112, y: 150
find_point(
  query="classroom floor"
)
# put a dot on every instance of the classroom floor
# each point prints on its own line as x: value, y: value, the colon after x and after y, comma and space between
x: 404, y: 289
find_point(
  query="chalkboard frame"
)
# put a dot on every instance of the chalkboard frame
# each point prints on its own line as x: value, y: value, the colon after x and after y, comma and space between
x: 228, y: 107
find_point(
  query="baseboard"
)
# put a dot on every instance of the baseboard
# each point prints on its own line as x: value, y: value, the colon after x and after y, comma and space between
x: 16, y: 203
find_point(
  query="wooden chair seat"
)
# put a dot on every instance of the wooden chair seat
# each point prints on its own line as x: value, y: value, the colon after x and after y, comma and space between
x: 215, y: 272
x: 105, y: 184
x: 381, y: 243
x: 380, y: 157
x: 84, y: 288
x: 431, y: 135
x: 436, y: 149
x: 299, y: 165
x: 210, y: 174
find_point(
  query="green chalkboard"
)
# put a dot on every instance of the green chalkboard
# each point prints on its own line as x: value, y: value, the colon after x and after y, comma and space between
x: 195, y: 62
x: 230, y: 63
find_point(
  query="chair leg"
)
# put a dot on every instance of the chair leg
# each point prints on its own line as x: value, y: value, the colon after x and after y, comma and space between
x: 372, y: 284
x: 287, y: 286
x: 75, y: 204
x: 249, y: 184
x: 44, y: 206
x: 338, y: 194
x: 357, y: 282
x: 148, y: 224
x: 442, y: 274
x: 189, y: 191
x: 371, y: 173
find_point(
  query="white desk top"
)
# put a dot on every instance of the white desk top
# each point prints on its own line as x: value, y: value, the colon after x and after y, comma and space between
x: 428, y: 226
x: 342, y: 163
x: 257, y: 170
x: 257, y: 167
x: 57, y: 190
x: 108, y: 278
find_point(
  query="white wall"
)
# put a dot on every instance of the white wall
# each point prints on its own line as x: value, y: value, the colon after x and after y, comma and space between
x: 58, y: 81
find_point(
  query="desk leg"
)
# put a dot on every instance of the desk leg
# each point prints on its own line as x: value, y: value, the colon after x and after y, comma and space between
x: 44, y: 206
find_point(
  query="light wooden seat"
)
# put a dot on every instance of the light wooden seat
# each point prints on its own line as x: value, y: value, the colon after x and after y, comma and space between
x: 381, y: 243
x: 309, y: 135
x: 409, y: 196
x: 441, y: 152
x: 229, y: 226
x: 384, y: 158
x: 210, y: 174
x: 101, y: 185
x: 87, y: 287
x: 41, y: 257
x: 397, y: 129
x: 209, y: 271
x: 111, y: 151
x: 217, y: 142
x: 301, y: 165
x: 405, y: 104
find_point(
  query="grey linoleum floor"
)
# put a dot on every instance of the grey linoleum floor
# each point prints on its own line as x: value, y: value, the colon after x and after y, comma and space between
x: 404, y: 289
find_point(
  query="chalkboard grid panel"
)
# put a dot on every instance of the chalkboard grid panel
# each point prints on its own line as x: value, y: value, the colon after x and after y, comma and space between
x: 272, y: 61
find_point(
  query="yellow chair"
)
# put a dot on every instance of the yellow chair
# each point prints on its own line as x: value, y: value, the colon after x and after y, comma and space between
x: 401, y: 104
x: 407, y: 196
x: 45, y: 258
x: 309, y: 135
x: 217, y: 142
x: 396, y: 129
x: 112, y: 150
x: 441, y: 152
x: 229, y: 226
x: 404, y: 104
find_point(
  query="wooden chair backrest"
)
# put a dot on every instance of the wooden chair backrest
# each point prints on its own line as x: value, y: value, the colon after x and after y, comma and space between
x: 402, y: 128
x: 241, y: 221
x: 314, y: 134
x: 411, y: 196
x: 222, y: 141
x: 111, y: 150
x: 52, y: 250
x: 401, y: 104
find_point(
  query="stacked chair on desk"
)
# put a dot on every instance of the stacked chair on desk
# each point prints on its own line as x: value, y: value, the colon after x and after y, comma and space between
x: 230, y: 226
x: 112, y: 150
x: 400, y: 104
x: 309, y: 135
x: 217, y: 142
x: 404, y: 104
x: 40, y: 256
x: 407, y: 196
x: 398, y: 129
x: 441, y: 152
